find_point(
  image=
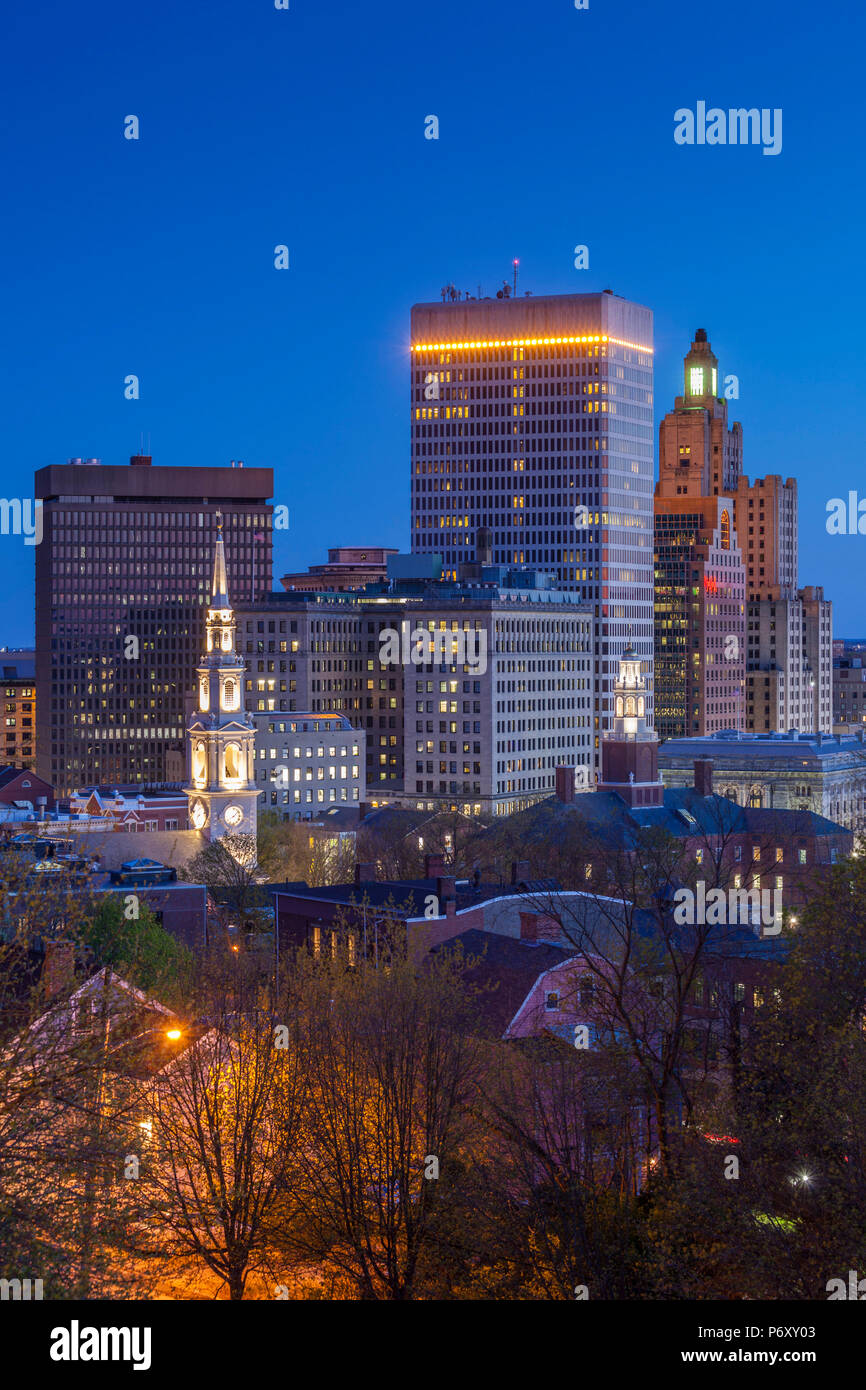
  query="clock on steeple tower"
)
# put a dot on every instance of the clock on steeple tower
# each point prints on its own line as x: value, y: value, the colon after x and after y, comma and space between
x: 220, y: 734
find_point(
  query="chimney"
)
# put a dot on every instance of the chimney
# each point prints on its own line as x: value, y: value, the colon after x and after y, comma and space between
x: 58, y: 970
x: 446, y: 892
x: 365, y: 873
x: 529, y: 926
x: 434, y: 865
x: 484, y: 546
x: 519, y: 871
x: 565, y: 784
x: 141, y: 461
x: 703, y: 777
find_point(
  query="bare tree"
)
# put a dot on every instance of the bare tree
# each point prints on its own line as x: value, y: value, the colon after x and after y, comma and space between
x: 227, y: 1116
x: 391, y: 1067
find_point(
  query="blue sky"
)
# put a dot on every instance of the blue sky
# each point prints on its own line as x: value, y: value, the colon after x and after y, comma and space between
x: 306, y: 127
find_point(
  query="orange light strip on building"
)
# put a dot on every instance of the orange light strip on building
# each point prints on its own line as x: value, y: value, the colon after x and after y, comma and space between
x: 525, y: 342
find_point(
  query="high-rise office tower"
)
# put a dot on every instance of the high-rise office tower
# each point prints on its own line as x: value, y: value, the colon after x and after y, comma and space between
x: 700, y: 609
x: 700, y: 618
x: 122, y: 585
x: 787, y: 631
x: 533, y: 417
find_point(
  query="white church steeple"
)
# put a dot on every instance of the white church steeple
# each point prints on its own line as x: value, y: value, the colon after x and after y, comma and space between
x: 220, y: 734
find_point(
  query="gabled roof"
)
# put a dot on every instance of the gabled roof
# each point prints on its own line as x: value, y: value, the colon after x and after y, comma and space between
x: 409, y: 896
x: 9, y: 774
x: 504, y: 969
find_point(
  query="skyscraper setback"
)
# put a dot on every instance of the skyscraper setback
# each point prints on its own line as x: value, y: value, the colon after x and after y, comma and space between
x: 122, y: 582
x: 533, y: 417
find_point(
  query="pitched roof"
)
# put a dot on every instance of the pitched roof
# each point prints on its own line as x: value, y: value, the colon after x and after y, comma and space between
x: 408, y: 896
x: 503, y: 969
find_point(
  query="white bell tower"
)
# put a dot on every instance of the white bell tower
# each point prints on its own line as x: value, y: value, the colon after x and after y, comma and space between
x: 221, y: 738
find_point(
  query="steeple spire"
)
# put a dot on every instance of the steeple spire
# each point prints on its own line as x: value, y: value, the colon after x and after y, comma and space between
x: 219, y: 586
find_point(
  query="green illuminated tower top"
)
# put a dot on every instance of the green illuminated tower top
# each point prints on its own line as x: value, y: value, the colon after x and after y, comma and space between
x: 701, y: 372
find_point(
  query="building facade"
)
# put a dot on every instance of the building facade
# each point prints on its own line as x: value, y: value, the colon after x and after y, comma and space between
x: 820, y: 772
x: 130, y: 809
x: 482, y: 738
x: 308, y: 763
x: 19, y: 708
x: 121, y: 588
x: 849, y: 687
x: 488, y: 739
x: 319, y: 654
x: 531, y: 418
x: 700, y: 617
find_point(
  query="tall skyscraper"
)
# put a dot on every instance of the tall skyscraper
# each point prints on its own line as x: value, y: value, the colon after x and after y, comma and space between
x: 700, y: 608
x: 122, y: 583
x: 533, y: 417
x: 788, y: 656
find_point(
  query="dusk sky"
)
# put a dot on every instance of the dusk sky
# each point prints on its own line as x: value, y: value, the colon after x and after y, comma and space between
x: 306, y: 127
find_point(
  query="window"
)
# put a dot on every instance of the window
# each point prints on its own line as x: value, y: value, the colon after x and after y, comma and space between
x: 801, y: 856
x: 551, y: 1001
x: 780, y: 855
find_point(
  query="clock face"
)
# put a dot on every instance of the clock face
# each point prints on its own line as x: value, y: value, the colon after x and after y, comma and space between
x: 233, y: 815
x: 198, y: 815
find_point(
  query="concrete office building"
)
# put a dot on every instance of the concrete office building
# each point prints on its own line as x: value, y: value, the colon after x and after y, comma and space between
x: 307, y: 763
x: 491, y: 738
x: 532, y: 417
x: 122, y: 583
x: 319, y: 653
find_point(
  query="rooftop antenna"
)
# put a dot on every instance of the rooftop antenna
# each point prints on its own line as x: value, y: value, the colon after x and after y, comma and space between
x: 516, y: 264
